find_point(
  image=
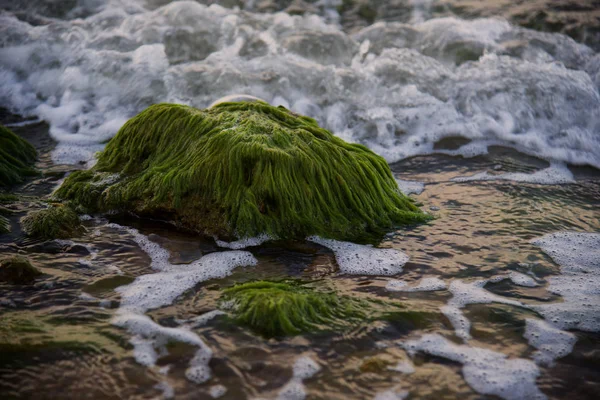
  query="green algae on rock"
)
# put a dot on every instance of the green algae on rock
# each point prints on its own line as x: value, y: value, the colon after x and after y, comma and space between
x: 240, y: 170
x: 55, y: 222
x: 4, y: 225
x: 275, y: 309
x: 16, y: 158
x: 17, y: 270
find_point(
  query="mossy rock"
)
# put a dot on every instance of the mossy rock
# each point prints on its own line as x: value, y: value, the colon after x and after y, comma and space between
x: 276, y: 309
x: 55, y: 222
x: 4, y: 224
x: 17, y: 270
x: 375, y: 365
x: 26, y: 337
x: 240, y: 170
x: 4, y: 213
x: 16, y: 158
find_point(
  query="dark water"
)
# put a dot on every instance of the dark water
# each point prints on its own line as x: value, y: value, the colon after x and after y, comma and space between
x: 83, y: 67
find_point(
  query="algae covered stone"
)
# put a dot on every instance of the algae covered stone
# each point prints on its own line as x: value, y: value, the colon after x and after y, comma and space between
x: 274, y: 309
x: 17, y: 270
x: 16, y: 158
x: 240, y: 170
x: 55, y: 222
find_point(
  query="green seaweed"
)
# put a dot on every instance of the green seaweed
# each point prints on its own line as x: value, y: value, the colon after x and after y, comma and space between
x: 4, y: 224
x: 275, y: 309
x: 26, y: 337
x: 6, y: 198
x: 16, y: 158
x: 240, y: 170
x: 17, y: 270
x: 55, y: 222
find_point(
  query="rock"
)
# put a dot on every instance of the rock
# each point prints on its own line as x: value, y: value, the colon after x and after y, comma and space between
x: 16, y: 158
x: 4, y: 224
x: 275, y: 309
x: 17, y: 270
x: 375, y: 365
x: 241, y: 169
x: 55, y: 222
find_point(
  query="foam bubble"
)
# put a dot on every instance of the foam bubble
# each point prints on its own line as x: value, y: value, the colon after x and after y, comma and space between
x: 245, y: 242
x: 578, y: 254
x: 167, y: 390
x: 151, y: 291
x: 217, y: 391
x: 304, y: 368
x: 409, y: 187
x: 551, y: 343
x: 521, y: 279
x: 391, y: 395
x: 404, y: 366
x: 555, y: 174
x: 424, y: 285
x: 150, y: 337
x: 397, y: 88
x: 486, y: 371
x: 155, y: 290
x: 465, y: 293
x: 360, y: 259
x: 202, y: 320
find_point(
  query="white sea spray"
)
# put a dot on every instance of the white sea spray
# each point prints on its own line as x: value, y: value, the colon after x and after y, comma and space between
x: 397, y: 88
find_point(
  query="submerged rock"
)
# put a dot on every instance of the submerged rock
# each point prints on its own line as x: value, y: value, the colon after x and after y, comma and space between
x: 17, y: 270
x: 240, y: 170
x: 293, y: 307
x: 275, y: 309
x: 4, y: 224
x: 55, y: 222
x: 16, y: 158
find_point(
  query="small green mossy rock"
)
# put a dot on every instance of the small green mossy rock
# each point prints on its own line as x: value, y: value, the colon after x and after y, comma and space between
x: 275, y: 309
x: 55, y: 222
x: 4, y: 222
x: 375, y: 365
x: 240, y: 170
x: 4, y: 225
x: 16, y: 158
x: 17, y: 270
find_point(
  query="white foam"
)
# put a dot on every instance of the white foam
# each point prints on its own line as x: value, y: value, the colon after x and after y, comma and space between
x: 167, y: 390
x: 360, y: 259
x: 245, y: 242
x: 391, y: 394
x: 404, y: 366
x: 159, y: 289
x: 556, y: 173
x: 304, y: 368
x: 521, y: 279
x: 202, y: 320
x: 217, y: 391
x: 410, y: 187
x: 150, y: 338
x: 424, y: 285
x: 465, y: 293
x: 578, y: 254
x: 156, y: 290
x: 397, y: 88
x: 552, y: 343
x: 486, y: 371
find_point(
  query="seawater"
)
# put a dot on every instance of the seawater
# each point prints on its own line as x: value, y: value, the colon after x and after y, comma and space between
x: 493, y: 128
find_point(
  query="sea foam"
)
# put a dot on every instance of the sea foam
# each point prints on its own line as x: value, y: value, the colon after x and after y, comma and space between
x: 397, y: 88
x: 162, y: 288
x: 357, y: 259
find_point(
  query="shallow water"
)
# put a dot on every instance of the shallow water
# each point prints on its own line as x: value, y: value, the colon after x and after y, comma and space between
x: 423, y: 92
